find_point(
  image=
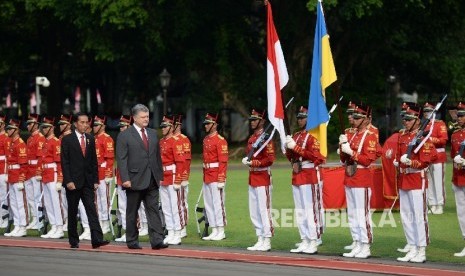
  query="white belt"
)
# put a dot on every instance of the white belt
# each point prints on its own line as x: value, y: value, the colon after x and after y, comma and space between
x: 103, y: 165
x: 259, y: 169
x: 13, y: 167
x: 2, y: 157
x: 307, y: 165
x: 169, y: 168
x: 49, y: 166
x: 410, y: 170
x: 441, y: 150
x: 361, y: 167
x: 32, y: 162
x: 211, y: 165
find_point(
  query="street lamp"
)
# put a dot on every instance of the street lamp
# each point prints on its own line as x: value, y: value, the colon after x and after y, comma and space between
x: 40, y: 81
x: 390, y: 80
x: 165, y: 78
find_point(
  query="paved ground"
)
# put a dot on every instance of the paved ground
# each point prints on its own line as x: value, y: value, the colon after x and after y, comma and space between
x: 35, y: 256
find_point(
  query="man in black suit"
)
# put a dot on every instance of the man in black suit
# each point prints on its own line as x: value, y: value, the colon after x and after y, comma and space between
x: 140, y: 166
x: 80, y: 178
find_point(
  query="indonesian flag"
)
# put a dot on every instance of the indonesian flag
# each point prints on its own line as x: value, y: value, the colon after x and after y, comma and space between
x: 99, y: 98
x: 32, y: 102
x: 8, y: 100
x: 77, y: 99
x: 277, y: 78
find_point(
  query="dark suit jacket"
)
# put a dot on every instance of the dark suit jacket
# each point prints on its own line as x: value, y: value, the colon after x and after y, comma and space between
x: 135, y: 163
x: 82, y: 170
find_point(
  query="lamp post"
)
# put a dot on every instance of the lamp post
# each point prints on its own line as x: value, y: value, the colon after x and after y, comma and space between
x: 390, y: 80
x: 45, y: 83
x: 165, y: 78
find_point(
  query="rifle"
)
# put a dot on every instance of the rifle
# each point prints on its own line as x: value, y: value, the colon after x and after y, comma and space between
x: 421, y: 130
x: 263, y: 137
x: 333, y: 108
x: 110, y: 207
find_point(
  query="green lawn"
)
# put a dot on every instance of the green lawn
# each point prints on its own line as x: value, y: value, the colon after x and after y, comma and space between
x: 445, y: 233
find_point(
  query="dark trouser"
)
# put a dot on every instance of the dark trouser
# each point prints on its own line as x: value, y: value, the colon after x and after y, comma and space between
x: 150, y: 198
x: 86, y: 194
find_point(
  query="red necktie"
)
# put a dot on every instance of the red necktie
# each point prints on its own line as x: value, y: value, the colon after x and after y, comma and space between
x: 83, y: 145
x: 144, y: 139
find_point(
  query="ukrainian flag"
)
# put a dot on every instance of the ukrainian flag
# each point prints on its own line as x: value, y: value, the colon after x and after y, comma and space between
x: 323, y: 74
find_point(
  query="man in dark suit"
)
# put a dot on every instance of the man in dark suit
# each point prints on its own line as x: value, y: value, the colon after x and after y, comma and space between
x: 140, y: 166
x: 80, y: 178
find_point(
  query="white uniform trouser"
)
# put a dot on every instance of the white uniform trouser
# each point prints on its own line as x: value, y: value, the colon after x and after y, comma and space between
x: 184, y: 204
x: 306, y: 210
x: 18, y: 205
x: 64, y: 205
x: 52, y: 204
x: 214, y: 200
x: 260, y: 210
x: 103, y: 200
x: 141, y: 213
x: 436, y: 192
x: 33, y: 192
x: 171, y: 206
x: 3, y: 197
x: 122, y: 202
x: 83, y: 215
x: 358, y: 213
x: 413, y: 213
x: 459, y: 192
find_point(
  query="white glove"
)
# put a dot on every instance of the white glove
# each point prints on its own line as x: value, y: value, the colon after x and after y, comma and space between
x: 405, y: 160
x: 338, y: 151
x: 58, y: 186
x: 220, y: 185
x: 20, y: 186
x: 290, y: 143
x: 345, y: 148
x: 459, y: 160
x: 246, y: 162
x: 39, y: 178
x: 108, y: 180
x: 184, y: 183
x: 342, y: 139
x: 176, y: 187
x: 395, y: 163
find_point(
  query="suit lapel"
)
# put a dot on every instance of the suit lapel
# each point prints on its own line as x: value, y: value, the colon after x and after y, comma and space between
x: 136, y: 136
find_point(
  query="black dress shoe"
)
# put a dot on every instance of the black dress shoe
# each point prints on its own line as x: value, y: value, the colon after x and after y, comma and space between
x: 74, y: 246
x: 100, y: 243
x: 134, y: 246
x: 160, y: 245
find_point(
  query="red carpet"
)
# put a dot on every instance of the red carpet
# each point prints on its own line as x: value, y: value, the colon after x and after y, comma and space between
x: 265, y: 258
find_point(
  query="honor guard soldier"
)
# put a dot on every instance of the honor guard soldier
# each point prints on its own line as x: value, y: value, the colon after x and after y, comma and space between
x: 172, y: 157
x: 260, y: 184
x: 105, y: 158
x: 52, y: 179
x: 458, y: 174
x: 358, y: 152
x: 17, y: 167
x: 187, y: 149
x: 124, y: 122
x: 4, y: 150
x: 412, y: 183
x: 215, y: 162
x: 64, y: 125
x: 33, y: 184
x: 303, y: 150
x: 436, y: 189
